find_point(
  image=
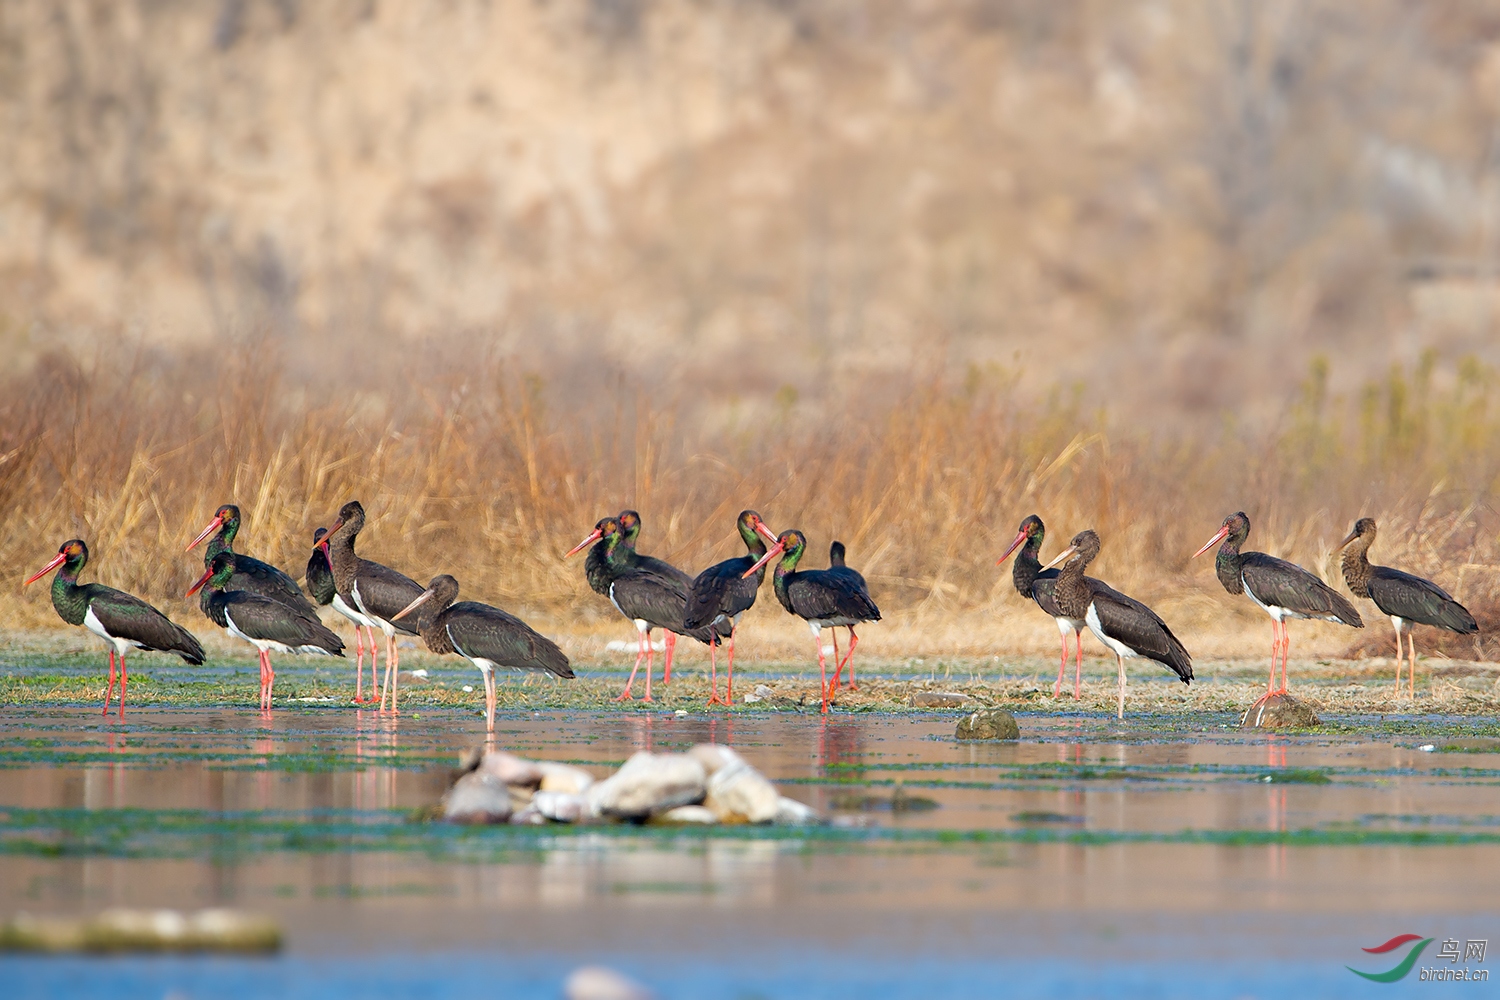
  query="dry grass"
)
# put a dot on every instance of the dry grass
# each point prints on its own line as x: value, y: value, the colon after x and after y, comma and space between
x: 492, y: 473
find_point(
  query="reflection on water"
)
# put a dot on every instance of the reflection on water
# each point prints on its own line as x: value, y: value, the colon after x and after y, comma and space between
x: 303, y: 815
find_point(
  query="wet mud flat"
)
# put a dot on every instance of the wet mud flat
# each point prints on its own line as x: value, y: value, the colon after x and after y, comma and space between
x: 1092, y: 857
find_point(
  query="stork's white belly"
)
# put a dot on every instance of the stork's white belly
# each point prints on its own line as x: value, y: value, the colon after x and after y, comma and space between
x: 1097, y: 627
x: 93, y: 624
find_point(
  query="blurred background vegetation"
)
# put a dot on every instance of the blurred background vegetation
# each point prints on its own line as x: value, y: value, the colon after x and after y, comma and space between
x: 900, y: 272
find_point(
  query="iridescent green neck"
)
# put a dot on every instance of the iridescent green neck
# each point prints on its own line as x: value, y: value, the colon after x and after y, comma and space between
x: 752, y: 539
x: 67, y: 597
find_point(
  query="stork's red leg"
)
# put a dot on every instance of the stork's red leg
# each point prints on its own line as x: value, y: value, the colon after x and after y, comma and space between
x: 837, y: 663
x: 729, y: 691
x: 822, y: 672
x: 1286, y: 646
x: 359, y: 666
x: 122, y: 686
x: 1411, y: 665
x: 110, y: 689
x: 270, y: 682
x: 650, y: 664
x: 640, y: 653
x: 1078, y: 667
x: 849, y: 659
x: 1061, y: 667
x: 713, y: 659
x: 671, y: 644
x: 393, y: 665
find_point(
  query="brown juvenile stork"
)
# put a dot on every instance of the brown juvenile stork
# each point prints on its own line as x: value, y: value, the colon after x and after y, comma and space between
x: 1126, y: 626
x: 1406, y: 598
x: 1031, y: 581
x: 1284, y: 590
x: 377, y: 592
x: 484, y: 635
x: 120, y: 619
x: 721, y: 595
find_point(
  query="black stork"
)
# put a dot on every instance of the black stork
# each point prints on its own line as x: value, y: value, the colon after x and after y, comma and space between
x: 721, y: 595
x: 377, y: 592
x: 320, y: 584
x: 820, y: 597
x: 252, y: 575
x: 1404, y: 597
x: 485, y: 635
x: 630, y: 530
x: 1285, y: 590
x: 1037, y: 584
x: 116, y: 617
x: 596, y: 567
x: 649, y: 592
x: 838, y: 567
x: 263, y: 623
x: 1126, y: 626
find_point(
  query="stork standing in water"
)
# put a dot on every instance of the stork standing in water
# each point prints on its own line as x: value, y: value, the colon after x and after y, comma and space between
x: 485, y: 635
x: 377, y: 592
x: 121, y: 620
x: 1406, y: 598
x: 263, y: 623
x: 1284, y: 590
x: 649, y: 592
x: 839, y: 568
x: 323, y: 589
x: 1031, y: 581
x: 721, y: 595
x: 1126, y: 626
x: 252, y: 575
x: 820, y: 597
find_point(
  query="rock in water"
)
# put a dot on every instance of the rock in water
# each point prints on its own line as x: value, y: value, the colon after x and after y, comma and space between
x: 595, y: 982
x: 738, y: 793
x: 714, y: 756
x: 564, y: 778
x: 1280, y: 711
x: 477, y: 797
x: 790, y: 812
x: 687, y: 816
x: 560, y: 807
x: 648, y: 783
x: 511, y: 769
x: 988, y: 724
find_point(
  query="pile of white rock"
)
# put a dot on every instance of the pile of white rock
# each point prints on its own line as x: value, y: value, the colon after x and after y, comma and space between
x: 709, y: 784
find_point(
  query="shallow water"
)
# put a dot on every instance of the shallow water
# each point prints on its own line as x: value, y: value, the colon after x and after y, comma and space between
x: 1092, y: 858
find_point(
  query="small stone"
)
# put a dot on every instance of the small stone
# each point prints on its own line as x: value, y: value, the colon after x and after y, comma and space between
x: 478, y: 797
x: 595, y: 982
x: 560, y: 807
x: 687, y: 816
x: 751, y: 699
x: 1280, y: 711
x: 714, y: 756
x: 790, y: 812
x: 530, y: 816
x: 512, y: 770
x: 937, y: 699
x: 761, y: 691
x: 738, y: 793
x: 988, y: 724
x: 564, y: 778
x: 648, y: 783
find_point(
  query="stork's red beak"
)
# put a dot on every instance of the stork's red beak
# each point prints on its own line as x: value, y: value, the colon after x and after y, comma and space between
x: 1219, y: 536
x: 323, y: 543
x: 213, y: 526
x: 208, y: 575
x: 765, y: 532
x: 594, y: 536
x: 1020, y: 537
x: 771, y: 553
x: 57, y: 561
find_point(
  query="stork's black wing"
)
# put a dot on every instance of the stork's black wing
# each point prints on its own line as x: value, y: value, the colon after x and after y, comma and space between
x: 262, y: 618
x: 1418, y: 600
x: 1129, y: 621
x: 486, y: 632
x: 821, y: 594
x: 385, y: 592
x: 255, y: 577
x: 1276, y: 582
x: 126, y: 616
x: 722, y: 589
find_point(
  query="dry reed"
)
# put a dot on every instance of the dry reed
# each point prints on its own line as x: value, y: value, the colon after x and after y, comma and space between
x: 491, y: 473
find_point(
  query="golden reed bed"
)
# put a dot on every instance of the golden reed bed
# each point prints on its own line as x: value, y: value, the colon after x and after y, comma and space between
x: 491, y: 473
